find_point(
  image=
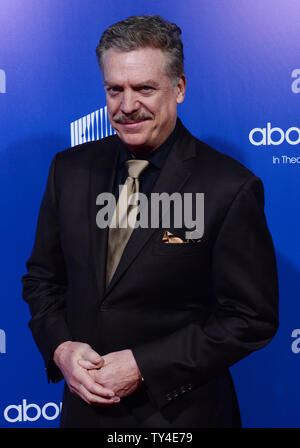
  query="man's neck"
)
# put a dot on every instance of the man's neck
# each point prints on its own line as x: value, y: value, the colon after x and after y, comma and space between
x: 144, y: 152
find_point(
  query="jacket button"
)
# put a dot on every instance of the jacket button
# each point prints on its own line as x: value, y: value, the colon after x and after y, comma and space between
x: 189, y: 386
x: 168, y: 397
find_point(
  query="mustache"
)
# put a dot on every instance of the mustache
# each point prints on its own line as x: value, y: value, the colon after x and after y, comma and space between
x: 135, y: 116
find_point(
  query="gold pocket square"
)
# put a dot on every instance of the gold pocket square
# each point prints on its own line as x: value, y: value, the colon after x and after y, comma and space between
x: 168, y: 237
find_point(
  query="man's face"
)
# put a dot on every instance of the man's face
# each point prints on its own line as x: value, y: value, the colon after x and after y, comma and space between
x: 141, y: 99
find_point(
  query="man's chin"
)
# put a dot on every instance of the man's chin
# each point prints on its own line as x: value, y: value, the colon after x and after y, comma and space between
x: 133, y: 140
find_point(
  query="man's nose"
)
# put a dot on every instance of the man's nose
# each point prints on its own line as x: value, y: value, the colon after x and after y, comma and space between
x: 129, y: 102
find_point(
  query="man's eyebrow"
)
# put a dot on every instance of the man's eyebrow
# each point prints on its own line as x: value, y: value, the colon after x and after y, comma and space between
x: 109, y: 83
x: 148, y: 82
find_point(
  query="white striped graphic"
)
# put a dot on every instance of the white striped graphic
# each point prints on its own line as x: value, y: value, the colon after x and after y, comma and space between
x: 2, y: 81
x: 91, y: 127
x: 2, y: 341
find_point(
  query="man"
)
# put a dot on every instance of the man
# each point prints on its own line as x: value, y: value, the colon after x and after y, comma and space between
x: 144, y: 323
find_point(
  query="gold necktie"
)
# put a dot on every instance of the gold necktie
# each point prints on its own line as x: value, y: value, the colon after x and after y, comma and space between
x: 124, y: 216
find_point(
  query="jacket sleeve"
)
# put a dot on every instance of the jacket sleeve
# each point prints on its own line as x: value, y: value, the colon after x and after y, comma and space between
x: 245, y: 314
x: 45, y: 284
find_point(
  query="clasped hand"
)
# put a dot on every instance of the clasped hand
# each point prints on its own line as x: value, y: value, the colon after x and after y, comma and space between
x: 98, y: 380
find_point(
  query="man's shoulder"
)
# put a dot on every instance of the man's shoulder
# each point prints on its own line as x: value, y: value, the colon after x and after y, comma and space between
x: 216, y: 164
x: 222, y: 176
x: 89, y: 151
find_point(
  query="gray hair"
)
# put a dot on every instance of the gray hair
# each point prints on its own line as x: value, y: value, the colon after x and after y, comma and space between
x: 145, y: 31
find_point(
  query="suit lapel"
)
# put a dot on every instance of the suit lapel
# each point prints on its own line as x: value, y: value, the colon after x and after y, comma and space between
x: 103, y: 170
x: 172, y: 178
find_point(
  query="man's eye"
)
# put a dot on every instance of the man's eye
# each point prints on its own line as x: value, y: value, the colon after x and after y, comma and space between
x: 146, y: 89
x: 113, y: 90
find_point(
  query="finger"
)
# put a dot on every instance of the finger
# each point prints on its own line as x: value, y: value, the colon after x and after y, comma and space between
x: 95, y: 388
x: 93, y: 399
x: 89, y: 365
x: 90, y: 355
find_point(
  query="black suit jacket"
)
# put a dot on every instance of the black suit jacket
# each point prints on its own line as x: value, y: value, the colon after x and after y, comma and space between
x: 187, y: 311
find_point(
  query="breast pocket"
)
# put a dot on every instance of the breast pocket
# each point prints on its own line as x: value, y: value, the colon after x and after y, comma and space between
x: 177, y: 249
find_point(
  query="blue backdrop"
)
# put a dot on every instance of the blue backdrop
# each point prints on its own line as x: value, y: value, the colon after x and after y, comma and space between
x: 242, y: 65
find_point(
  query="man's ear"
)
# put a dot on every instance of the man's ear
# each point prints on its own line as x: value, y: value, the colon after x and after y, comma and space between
x: 180, y: 89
